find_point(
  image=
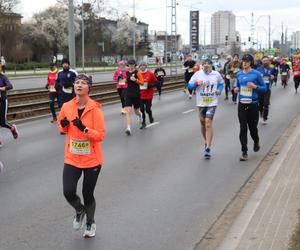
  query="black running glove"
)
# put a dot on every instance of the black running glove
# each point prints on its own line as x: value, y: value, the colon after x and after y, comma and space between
x: 64, y: 122
x: 78, y: 123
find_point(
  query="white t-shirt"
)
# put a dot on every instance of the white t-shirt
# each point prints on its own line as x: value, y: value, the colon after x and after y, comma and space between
x: 206, y: 93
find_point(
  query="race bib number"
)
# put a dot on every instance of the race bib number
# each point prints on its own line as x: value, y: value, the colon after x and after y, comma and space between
x: 68, y: 90
x: 190, y: 70
x: 80, y: 147
x: 297, y: 73
x: 245, y: 91
x: 227, y: 76
x: 160, y: 73
x: 266, y: 79
x: 207, y: 100
x: 122, y: 82
x: 235, y: 70
x: 144, y: 86
x: 52, y: 88
x: 284, y: 73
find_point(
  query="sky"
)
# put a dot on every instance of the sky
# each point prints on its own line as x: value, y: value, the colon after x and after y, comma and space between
x: 153, y: 12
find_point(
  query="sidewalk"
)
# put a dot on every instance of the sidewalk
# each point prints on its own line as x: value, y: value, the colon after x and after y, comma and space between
x: 270, y: 215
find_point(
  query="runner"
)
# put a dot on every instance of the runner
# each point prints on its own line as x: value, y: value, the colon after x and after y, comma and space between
x: 267, y: 72
x: 226, y: 76
x: 5, y: 85
x: 233, y: 68
x: 52, y: 75
x: 296, y: 70
x: 188, y: 67
x: 83, y: 122
x: 160, y: 74
x: 284, y: 71
x: 275, y: 65
x: 208, y: 85
x: 249, y: 84
x: 3, y: 63
x: 134, y: 79
x: 64, y: 83
x: 120, y: 78
x: 146, y: 93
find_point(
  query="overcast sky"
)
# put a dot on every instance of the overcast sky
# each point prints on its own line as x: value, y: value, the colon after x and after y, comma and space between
x: 153, y: 12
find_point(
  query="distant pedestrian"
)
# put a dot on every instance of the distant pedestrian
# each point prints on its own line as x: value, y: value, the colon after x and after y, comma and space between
x: 189, y: 71
x: 64, y: 83
x: 121, y: 84
x: 3, y: 63
x: 5, y: 85
x: 52, y: 76
x: 160, y: 74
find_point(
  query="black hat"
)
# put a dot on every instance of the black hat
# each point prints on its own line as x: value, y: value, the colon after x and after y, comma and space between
x: 65, y: 60
x: 51, y: 64
x: 248, y: 58
x: 131, y: 61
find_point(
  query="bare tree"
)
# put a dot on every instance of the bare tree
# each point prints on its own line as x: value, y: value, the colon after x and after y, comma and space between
x: 8, y: 5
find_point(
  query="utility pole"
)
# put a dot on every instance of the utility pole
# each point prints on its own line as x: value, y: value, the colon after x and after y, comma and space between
x: 133, y: 45
x: 173, y: 67
x: 166, y: 34
x: 71, y: 31
x: 269, y: 32
x: 252, y: 30
x: 82, y: 33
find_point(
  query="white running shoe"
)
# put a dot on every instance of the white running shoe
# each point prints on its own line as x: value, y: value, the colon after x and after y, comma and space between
x: 90, y: 231
x: 190, y: 96
x: 264, y: 122
x: 14, y: 131
x: 1, y: 166
x: 78, y: 220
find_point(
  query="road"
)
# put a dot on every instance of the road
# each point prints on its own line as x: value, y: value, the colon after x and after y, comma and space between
x: 40, y: 82
x: 155, y: 190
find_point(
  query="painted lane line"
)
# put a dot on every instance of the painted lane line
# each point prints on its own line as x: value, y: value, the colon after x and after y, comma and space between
x: 152, y: 124
x: 188, y: 111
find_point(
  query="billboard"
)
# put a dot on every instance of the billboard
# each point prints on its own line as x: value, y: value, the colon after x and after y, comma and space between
x: 194, y: 30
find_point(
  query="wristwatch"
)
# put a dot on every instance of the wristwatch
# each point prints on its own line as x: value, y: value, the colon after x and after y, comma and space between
x: 85, y: 130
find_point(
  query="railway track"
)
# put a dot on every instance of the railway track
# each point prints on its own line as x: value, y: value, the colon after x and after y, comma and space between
x: 34, y: 103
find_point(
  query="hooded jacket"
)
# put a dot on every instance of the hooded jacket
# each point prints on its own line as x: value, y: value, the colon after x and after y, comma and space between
x: 4, y: 82
x: 83, y: 150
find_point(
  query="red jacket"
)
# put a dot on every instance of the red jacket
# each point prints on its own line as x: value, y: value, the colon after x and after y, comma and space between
x: 52, y: 75
x: 146, y: 90
x: 83, y: 150
x: 296, y: 70
x: 120, y: 79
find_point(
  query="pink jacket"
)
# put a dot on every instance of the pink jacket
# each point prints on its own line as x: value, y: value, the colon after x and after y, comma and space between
x: 120, y: 81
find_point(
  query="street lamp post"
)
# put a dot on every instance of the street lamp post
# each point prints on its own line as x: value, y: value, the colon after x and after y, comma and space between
x: 71, y: 35
x: 133, y: 45
x: 82, y: 33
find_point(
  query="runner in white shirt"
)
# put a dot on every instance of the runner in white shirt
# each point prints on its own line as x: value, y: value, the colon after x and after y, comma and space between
x: 208, y: 85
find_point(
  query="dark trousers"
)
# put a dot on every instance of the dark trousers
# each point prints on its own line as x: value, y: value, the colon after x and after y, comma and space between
x: 3, y: 114
x: 52, y: 98
x: 297, y: 82
x: 264, y: 102
x: 146, y: 106
x: 71, y: 176
x: 64, y: 97
x: 121, y: 93
x: 248, y: 118
x: 159, y: 86
x: 227, y: 86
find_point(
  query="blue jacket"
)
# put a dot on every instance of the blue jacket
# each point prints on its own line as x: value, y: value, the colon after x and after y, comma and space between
x: 246, y: 94
x: 65, y: 80
x: 266, y: 73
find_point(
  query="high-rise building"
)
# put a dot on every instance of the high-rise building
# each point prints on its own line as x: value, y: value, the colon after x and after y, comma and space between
x: 295, y: 40
x: 223, y: 28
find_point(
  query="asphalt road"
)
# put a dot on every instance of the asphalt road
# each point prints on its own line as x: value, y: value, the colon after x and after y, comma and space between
x: 155, y: 190
x: 40, y: 82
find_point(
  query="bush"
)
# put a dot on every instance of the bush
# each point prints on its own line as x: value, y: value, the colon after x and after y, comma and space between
x: 26, y: 66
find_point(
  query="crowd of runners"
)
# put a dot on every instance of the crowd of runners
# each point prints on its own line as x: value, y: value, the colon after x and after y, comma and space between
x: 247, y: 83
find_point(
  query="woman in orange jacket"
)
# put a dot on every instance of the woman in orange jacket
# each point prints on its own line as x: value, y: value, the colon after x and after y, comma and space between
x: 82, y: 120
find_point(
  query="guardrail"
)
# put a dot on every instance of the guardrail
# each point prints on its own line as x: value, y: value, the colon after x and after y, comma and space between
x: 34, y: 103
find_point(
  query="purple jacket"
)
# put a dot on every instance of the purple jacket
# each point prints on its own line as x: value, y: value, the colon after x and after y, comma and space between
x: 4, y: 82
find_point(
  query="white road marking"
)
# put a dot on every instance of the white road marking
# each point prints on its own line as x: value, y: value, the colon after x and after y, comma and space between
x: 188, y: 111
x: 152, y: 124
